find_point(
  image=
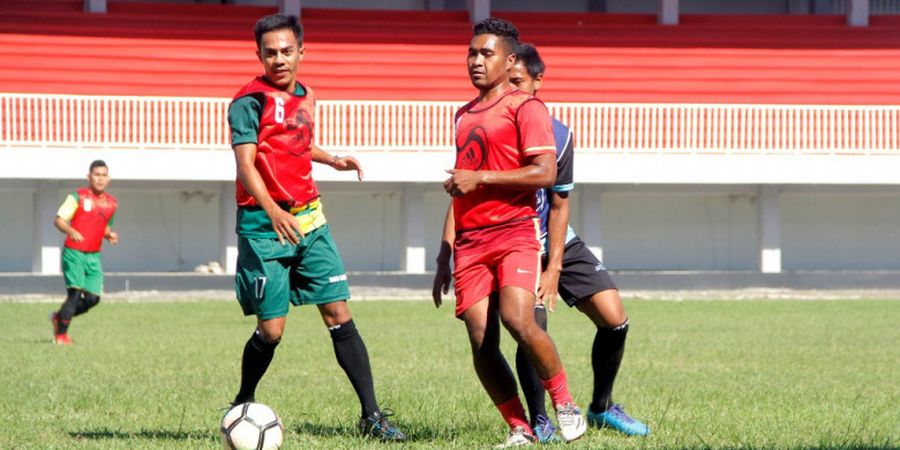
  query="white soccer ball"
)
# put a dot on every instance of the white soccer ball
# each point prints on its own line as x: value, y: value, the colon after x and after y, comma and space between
x: 251, y: 426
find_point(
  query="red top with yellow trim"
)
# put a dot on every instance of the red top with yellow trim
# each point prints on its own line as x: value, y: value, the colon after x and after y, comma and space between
x: 284, y: 140
x: 499, y: 136
x: 91, y: 217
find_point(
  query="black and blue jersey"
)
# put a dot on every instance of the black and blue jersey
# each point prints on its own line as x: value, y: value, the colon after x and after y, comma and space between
x: 565, y: 148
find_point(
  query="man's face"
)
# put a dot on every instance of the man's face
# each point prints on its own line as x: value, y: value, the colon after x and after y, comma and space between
x: 489, y: 61
x: 98, y: 179
x: 279, y: 52
x: 520, y: 78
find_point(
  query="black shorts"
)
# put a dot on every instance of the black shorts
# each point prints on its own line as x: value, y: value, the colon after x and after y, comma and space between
x: 583, y: 275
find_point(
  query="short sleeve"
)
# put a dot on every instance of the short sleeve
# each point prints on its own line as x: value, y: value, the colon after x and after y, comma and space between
x: 67, y: 210
x: 565, y: 165
x: 243, y: 118
x: 535, y: 128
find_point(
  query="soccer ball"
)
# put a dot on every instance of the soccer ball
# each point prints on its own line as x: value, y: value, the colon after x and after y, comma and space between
x: 251, y: 426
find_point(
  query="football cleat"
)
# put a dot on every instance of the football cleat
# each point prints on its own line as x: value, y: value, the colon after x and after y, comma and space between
x: 378, y: 426
x: 615, y: 418
x: 544, y: 430
x: 571, y: 423
x: 62, y: 339
x: 518, y: 437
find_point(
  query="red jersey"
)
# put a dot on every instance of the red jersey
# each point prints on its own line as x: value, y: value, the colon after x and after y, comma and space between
x: 284, y: 140
x: 91, y: 217
x: 499, y: 136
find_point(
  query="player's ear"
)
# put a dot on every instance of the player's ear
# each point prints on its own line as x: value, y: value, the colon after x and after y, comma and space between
x: 538, y: 80
x: 300, y: 52
x: 259, y: 55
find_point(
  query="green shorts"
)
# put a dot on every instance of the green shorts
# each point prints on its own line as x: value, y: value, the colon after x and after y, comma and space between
x: 270, y: 275
x: 82, y: 270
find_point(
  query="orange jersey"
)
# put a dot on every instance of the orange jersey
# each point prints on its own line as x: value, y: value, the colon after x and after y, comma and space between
x: 499, y: 136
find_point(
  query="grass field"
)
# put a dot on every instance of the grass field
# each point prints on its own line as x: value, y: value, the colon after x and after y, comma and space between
x: 703, y: 374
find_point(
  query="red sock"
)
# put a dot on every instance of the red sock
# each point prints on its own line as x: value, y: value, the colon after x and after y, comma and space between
x: 558, y: 388
x: 514, y: 414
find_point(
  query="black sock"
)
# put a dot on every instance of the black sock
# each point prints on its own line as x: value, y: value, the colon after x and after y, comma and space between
x: 67, y: 310
x: 609, y: 346
x: 257, y: 355
x: 85, y: 302
x: 351, y: 354
x: 528, y: 377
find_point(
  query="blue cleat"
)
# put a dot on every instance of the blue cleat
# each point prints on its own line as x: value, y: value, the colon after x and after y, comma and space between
x: 544, y: 430
x: 378, y: 426
x: 615, y: 418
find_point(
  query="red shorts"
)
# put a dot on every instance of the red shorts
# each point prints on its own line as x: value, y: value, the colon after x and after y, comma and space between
x: 488, y: 259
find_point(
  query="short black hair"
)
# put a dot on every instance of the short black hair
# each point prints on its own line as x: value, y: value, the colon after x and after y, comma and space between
x: 277, y: 22
x: 530, y: 58
x: 504, y: 29
x: 97, y: 163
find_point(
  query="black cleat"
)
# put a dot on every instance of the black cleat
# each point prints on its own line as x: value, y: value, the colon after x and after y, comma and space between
x: 377, y: 425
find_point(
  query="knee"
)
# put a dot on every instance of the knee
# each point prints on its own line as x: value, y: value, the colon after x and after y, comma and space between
x: 518, y: 326
x: 90, y: 300
x: 270, y: 335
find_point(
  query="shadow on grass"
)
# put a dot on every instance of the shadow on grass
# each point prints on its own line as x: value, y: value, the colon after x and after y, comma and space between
x: 413, y: 434
x: 179, y: 435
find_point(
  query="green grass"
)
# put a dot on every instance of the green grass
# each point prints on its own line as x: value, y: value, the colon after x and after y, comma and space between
x: 703, y: 374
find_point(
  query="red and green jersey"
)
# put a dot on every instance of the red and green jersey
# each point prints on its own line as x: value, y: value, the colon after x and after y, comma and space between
x: 284, y: 137
x: 88, y: 214
x: 499, y: 136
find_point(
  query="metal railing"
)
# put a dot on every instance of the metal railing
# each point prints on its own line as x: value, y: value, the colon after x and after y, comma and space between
x: 177, y: 123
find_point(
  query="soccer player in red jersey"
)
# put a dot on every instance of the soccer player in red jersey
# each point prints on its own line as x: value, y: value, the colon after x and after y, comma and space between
x: 505, y: 151
x: 85, y: 218
x: 286, y: 254
x: 572, y: 270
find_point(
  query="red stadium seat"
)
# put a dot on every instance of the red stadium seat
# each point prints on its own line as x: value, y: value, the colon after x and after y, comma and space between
x: 205, y: 50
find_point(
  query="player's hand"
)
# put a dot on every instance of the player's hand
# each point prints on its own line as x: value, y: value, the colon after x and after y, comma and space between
x: 112, y: 237
x: 461, y: 182
x: 75, y: 235
x: 547, y: 289
x: 285, y: 226
x: 441, y: 283
x: 345, y: 163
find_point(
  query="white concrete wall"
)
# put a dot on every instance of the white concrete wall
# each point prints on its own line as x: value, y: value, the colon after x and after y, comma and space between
x: 16, y: 219
x: 840, y: 230
x: 174, y: 226
x: 679, y: 231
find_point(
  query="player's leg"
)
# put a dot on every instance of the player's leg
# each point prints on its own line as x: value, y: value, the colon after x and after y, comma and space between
x: 532, y: 387
x: 495, y: 375
x: 586, y: 284
x: 320, y: 279
x: 73, y: 268
x: 262, y: 286
x: 351, y: 353
x: 93, y: 284
x: 517, y: 314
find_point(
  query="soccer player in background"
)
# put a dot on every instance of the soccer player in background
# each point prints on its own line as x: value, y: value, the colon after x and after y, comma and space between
x: 572, y: 270
x: 85, y: 217
x: 505, y: 151
x: 286, y: 254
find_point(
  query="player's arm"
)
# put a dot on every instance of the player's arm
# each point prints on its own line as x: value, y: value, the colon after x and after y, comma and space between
x: 443, y: 274
x: 557, y: 226
x: 283, y: 222
x: 111, y: 235
x: 341, y: 163
x: 64, y: 217
x: 538, y: 172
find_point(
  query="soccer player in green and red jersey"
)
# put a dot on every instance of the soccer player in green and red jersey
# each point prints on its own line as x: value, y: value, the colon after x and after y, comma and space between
x: 504, y: 152
x: 286, y: 254
x: 85, y: 217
